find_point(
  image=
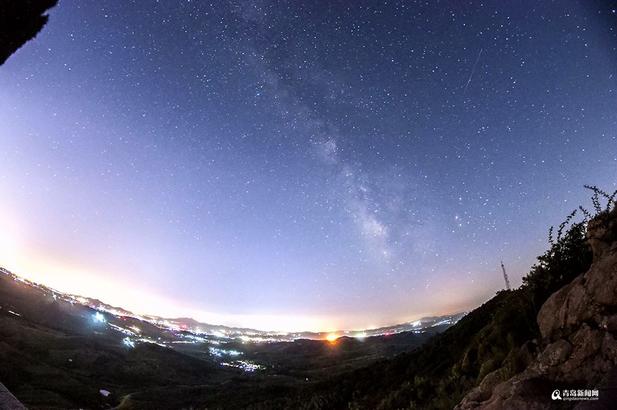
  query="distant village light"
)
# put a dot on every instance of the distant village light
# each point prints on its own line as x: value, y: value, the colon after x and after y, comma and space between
x: 360, y: 335
x: 99, y: 317
x: 128, y: 342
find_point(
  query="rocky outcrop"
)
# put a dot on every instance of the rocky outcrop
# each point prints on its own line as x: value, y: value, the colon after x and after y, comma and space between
x: 578, y: 349
x: 20, y: 21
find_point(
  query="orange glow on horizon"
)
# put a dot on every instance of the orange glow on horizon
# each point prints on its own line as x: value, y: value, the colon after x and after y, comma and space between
x: 332, y: 338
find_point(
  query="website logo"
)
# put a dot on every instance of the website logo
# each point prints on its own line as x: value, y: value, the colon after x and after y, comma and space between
x: 575, y: 394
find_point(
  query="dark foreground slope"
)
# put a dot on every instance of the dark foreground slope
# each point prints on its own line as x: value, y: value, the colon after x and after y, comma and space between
x: 20, y: 21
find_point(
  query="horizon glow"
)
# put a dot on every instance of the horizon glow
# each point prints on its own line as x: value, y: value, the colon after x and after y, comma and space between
x: 301, y: 166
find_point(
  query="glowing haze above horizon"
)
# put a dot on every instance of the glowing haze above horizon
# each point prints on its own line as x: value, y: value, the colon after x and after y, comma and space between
x: 301, y: 165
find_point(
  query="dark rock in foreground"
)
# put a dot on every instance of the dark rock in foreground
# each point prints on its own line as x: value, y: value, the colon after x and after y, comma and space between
x: 20, y: 21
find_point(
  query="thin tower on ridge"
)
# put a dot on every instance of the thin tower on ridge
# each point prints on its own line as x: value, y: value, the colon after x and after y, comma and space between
x: 505, y: 276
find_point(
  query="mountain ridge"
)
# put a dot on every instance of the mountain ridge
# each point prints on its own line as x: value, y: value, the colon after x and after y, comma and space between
x: 187, y: 323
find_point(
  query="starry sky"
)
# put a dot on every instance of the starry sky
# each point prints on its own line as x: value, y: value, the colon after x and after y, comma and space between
x: 301, y: 165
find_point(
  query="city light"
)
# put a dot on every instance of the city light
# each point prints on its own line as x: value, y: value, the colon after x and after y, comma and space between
x: 245, y: 365
x: 215, y: 351
x: 99, y: 317
x: 128, y: 342
x: 332, y: 337
x: 360, y: 335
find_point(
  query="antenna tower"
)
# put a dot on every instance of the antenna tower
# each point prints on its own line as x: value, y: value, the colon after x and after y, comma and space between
x: 505, y: 276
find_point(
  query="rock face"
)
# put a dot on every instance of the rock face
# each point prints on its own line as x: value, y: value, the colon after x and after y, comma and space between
x: 20, y: 21
x: 578, y: 349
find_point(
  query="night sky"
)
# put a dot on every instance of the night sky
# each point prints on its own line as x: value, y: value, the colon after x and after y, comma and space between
x: 301, y: 165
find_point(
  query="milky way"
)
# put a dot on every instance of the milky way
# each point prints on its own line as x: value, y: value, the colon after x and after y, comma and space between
x: 301, y: 164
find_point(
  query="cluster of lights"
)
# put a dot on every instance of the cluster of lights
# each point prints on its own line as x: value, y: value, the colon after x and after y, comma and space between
x: 360, y: 335
x: 213, y: 336
x: 445, y: 322
x: 128, y: 342
x: 151, y: 341
x: 196, y: 339
x: 245, y: 365
x: 98, y: 317
x: 261, y: 339
x: 124, y: 330
x: 215, y: 351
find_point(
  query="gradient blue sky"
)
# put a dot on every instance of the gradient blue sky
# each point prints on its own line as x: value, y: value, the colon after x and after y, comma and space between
x: 301, y: 165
